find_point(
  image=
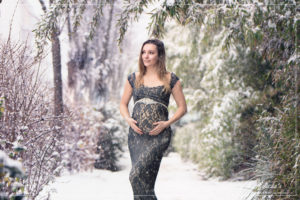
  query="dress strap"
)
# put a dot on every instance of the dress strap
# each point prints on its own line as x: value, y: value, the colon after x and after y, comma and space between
x: 174, y: 79
x: 149, y: 101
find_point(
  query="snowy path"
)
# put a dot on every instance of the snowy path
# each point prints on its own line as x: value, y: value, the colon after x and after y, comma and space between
x: 177, y: 180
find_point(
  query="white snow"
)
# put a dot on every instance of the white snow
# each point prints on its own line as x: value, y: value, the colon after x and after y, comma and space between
x: 8, y: 162
x: 271, y: 24
x: 177, y: 180
x: 170, y: 2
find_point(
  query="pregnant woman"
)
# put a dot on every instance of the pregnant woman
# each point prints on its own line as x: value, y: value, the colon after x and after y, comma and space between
x: 150, y: 132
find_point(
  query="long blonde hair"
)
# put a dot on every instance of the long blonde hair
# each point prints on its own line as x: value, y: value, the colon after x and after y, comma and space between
x: 162, y: 71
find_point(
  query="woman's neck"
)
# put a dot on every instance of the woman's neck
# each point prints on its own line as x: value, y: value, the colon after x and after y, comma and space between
x: 152, y: 71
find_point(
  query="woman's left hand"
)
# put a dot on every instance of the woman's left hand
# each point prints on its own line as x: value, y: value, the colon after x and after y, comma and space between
x: 160, y: 126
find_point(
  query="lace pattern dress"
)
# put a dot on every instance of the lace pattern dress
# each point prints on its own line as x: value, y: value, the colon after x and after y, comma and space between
x: 146, y: 151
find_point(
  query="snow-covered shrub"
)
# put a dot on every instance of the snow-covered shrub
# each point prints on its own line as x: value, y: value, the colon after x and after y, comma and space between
x: 92, y: 134
x: 82, y: 129
x: 111, y: 138
x: 10, y: 173
x: 278, y: 156
x: 27, y: 129
x: 215, y: 101
x: 259, y: 56
x: 209, y: 142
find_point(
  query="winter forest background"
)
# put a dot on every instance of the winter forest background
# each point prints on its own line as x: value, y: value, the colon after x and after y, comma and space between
x: 64, y: 63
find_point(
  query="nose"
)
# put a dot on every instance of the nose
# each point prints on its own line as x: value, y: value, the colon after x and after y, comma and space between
x: 145, y: 57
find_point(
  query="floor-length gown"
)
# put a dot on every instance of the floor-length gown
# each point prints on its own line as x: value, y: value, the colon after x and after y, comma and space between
x: 146, y: 151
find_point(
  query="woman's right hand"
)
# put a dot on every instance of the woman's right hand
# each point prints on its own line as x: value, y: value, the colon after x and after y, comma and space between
x: 132, y: 123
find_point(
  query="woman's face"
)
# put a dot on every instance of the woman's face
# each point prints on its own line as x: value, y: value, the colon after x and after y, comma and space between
x: 150, y: 55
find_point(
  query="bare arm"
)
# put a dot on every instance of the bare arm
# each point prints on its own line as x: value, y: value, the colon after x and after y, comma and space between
x: 127, y: 93
x: 124, y: 107
x: 180, y: 101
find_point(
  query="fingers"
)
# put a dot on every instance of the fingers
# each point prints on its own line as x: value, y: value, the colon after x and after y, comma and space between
x: 133, y: 125
x: 155, y: 131
x: 160, y: 126
x: 132, y: 120
x: 137, y: 129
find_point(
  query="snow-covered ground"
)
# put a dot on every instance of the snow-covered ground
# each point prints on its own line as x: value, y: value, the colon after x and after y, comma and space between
x: 177, y: 180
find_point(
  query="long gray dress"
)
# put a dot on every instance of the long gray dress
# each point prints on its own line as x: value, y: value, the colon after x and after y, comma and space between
x: 146, y: 151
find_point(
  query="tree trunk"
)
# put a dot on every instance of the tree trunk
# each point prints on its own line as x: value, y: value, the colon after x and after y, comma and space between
x: 56, y: 62
x: 72, y: 70
x: 107, y: 34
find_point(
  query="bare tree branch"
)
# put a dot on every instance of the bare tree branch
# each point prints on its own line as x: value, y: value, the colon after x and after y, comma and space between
x: 44, y: 8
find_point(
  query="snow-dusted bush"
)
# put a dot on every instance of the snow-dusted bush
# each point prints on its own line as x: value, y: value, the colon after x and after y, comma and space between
x: 209, y: 142
x: 82, y: 128
x: 259, y: 58
x: 93, y: 134
x: 215, y: 101
x: 111, y: 139
x: 10, y: 173
x: 28, y: 130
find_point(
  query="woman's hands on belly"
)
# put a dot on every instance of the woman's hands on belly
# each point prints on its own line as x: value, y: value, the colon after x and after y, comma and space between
x: 160, y: 126
x: 132, y: 123
x: 149, y: 115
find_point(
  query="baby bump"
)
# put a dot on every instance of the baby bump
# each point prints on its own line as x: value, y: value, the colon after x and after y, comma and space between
x: 147, y: 114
